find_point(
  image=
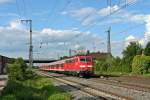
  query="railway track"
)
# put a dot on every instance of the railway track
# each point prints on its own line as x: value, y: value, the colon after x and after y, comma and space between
x: 131, y: 91
x: 100, y: 93
x: 124, y: 84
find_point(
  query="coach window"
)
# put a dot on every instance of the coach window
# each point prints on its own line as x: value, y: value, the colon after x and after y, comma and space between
x: 73, y: 61
x: 67, y: 61
x: 70, y: 61
x: 53, y: 66
x: 57, y: 65
x: 76, y: 60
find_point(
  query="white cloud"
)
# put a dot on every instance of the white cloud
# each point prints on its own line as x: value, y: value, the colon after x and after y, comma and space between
x: 129, y: 39
x: 5, y: 1
x: 83, y: 12
x: 90, y: 15
x: 143, y: 41
x: 106, y: 11
x: 128, y: 1
x: 14, y: 41
x: 16, y: 24
x: 147, y: 34
x: 9, y: 14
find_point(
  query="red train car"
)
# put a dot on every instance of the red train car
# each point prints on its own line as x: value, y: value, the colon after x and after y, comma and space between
x: 78, y: 65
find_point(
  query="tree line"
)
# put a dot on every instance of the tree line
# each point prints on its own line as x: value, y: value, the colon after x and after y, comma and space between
x: 135, y: 59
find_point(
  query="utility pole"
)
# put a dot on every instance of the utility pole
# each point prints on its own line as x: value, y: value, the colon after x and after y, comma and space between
x: 108, y: 42
x: 70, y: 52
x: 30, y: 46
x: 108, y: 32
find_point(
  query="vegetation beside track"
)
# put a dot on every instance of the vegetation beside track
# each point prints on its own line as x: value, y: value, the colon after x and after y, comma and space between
x: 29, y: 86
x: 135, y: 61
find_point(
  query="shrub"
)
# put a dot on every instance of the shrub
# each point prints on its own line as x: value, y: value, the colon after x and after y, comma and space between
x: 17, y: 70
x: 101, y: 66
x: 33, y: 89
x: 141, y: 64
x: 14, y: 72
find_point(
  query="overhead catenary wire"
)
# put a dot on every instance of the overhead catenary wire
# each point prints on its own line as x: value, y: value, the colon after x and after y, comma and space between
x: 117, y: 10
x: 21, y: 8
x: 18, y: 8
x: 112, y: 12
x: 24, y: 8
x: 64, y: 7
x: 130, y: 28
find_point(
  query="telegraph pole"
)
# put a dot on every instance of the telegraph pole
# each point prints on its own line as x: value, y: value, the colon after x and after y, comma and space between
x: 70, y: 52
x: 108, y: 42
x: 108, y: 32
x: 30, y: 46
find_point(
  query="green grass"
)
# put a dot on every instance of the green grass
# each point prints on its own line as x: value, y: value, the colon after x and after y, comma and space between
x: 112, y: 73
x: 120, y: 74
x: 33, y: 89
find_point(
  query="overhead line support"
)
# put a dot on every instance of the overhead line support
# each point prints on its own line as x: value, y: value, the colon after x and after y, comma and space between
x: 30, y: 40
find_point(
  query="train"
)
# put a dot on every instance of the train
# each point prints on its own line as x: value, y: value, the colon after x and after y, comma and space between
x: 80, y: 65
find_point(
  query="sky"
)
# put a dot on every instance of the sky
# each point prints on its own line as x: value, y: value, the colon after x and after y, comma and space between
x: 60, y: 25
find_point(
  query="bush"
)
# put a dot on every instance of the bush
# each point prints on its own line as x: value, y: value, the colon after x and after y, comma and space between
x: 141, y: 64
x: 17, y: 70
x: 102, y: 66
x: 33, y: 89
x: 112, y: 65
x: 14, y: 72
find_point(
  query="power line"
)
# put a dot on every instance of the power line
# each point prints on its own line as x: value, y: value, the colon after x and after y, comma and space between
x: 24, y: 8
x: 130, y: 28
x: 18, y: 8
x: 64, y: 7
x: 21, y: 8
x: 112, y: 12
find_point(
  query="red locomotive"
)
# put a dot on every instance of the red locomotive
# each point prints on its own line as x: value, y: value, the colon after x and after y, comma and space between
x: 78, y: 65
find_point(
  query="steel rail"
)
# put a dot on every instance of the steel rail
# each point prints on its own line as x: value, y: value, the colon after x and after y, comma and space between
x: 102, y: 94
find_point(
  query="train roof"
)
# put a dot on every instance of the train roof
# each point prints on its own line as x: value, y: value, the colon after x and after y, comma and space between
x: 77, y: 56
x: 63, y: 60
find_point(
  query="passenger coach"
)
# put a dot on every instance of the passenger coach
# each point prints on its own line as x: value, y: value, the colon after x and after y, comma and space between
x: 78, y: 65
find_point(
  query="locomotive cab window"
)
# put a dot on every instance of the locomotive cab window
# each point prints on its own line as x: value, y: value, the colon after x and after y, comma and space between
x: 82, y: 60
x: 88, y: 59
x: 85, y: 59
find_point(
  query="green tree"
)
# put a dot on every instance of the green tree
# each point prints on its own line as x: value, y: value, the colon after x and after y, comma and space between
x: 132, y: 50
x: 147, y: 49
x: 17, y: 69
x: 141, y: 64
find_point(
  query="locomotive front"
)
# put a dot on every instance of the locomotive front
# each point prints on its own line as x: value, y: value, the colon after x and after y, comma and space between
x: 86, y: 65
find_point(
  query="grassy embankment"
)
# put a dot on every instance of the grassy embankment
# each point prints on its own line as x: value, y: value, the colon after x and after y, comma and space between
x: 37, y: 88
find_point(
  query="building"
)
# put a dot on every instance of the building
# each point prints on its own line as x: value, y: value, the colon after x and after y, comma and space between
x: 3, y: 64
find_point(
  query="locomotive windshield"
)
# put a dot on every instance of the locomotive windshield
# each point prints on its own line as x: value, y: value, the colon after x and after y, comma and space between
x: 85, y: 59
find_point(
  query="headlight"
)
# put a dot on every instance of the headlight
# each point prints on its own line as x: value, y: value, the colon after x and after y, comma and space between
x: 89, y: 65
x: 82, y: 65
